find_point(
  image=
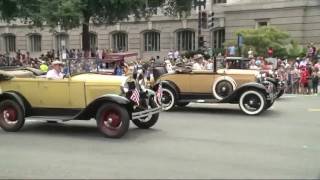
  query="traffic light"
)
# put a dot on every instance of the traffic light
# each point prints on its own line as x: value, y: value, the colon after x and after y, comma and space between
x: 204, y: 20
x: 201, y: 41
x: 210, y: 20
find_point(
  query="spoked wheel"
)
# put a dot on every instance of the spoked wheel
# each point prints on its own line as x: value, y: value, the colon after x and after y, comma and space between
x: 11, y: 116
x: 223, y: 89
x: 113, y: 120
x: 168, y: 99
x: 149, y: 121
x: 252, y: 102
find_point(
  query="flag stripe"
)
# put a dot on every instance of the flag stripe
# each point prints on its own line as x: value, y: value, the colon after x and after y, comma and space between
x: 135, y: 97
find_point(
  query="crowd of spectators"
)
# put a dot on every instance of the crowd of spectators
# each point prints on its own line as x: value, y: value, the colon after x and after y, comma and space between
x: 301, y: 76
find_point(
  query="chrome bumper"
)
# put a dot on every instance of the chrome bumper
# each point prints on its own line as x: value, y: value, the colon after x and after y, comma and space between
x: 271, y: 97
x: 146, y: 113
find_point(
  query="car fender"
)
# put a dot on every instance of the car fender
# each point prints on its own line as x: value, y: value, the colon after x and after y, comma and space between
x: 171, y: 85
x: 16, y: 97
x: 234, y: 97
x: 274, y: 81
x: 92, y: 108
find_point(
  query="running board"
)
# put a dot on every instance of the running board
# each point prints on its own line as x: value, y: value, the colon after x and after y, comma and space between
x: 200, y: 101
x: 51, y: 118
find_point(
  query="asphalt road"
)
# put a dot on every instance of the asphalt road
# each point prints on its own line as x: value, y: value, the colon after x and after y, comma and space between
x: 199, y: 141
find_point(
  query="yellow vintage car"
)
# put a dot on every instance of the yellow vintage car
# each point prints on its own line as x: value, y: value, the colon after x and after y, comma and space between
x: 185, y: 85
x: 26, y: 94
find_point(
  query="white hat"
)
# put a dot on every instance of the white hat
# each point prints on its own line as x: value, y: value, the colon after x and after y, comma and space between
x: 57, y: 63
x: 197, y: 56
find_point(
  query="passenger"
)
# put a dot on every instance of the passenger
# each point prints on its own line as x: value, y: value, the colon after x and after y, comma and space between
x: 209, y: 65
x: 118, y: 69
x: 55, y: 72
x: 197, y: 65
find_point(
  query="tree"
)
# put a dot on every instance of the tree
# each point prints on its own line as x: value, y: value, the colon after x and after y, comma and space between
x: 263, y: 38
x: 8, y: 9
x: 295, y: 50
x: 69, y: 14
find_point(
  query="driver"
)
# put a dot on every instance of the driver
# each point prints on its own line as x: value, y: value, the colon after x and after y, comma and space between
x: 55, y: 72
x: 197, y: 65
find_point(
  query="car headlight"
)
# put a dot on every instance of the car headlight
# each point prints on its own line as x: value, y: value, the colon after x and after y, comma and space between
x: 127, y: 85
x: 269, y: 86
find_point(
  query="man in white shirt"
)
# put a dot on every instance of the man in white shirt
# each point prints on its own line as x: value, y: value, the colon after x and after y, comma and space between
x: 209, y: 65
x: 176, y: 55
x: 55, y: 73
x: 197, y: 62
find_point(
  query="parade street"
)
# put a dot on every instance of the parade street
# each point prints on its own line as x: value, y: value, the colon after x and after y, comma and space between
x: 198, y: 141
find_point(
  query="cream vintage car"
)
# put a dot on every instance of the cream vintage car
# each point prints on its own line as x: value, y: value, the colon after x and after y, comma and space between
x: 108, y: 99
x: 223, y: 86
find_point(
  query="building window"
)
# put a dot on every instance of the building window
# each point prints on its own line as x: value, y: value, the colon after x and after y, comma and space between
x: 93, y: 41
x: 218, y: 37
x: 35, y: 43
x: 185, y: 40
x: 151, y: 41
x: 262, y: 23
x: 62, y: 41
x: 218, y: 1
x: 120, y: 41
x: 10, y: 43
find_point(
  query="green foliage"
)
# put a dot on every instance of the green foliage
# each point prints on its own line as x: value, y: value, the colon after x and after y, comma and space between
x: 69, y: 14
x: 177, y: 7
x: 295, y: 50
x: 8, y: 9
x: 262, y: 38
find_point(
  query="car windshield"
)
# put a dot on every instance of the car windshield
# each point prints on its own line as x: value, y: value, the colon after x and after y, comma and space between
x: 237, y: 64
x: 79, y: 66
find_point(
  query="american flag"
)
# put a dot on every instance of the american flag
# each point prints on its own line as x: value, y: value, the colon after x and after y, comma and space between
x: 135, y: 97
x: 160, y: 93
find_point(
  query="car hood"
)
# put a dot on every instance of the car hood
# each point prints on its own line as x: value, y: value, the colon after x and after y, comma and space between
x: 99, y: 78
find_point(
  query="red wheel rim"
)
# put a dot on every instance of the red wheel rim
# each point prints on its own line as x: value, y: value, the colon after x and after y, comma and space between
x: 9, y: 114
x: 111, y: 119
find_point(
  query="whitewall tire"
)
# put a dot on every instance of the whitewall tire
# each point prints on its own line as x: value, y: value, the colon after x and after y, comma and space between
x: 222, y: 79
x: 168, y: 99
x: 252, y: 102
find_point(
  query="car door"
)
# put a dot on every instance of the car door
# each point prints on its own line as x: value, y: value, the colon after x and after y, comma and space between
x: 201, y: 82
x: 53, y: 94
x: 181, y: 80
x: 77, y: 95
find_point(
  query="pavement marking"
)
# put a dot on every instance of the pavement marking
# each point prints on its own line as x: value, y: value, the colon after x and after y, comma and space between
x: 314, y: 110
x: 299, y: 95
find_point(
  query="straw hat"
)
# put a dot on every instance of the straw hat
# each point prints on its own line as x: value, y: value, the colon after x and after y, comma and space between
x: 197, y: 56
x: 57, y: 63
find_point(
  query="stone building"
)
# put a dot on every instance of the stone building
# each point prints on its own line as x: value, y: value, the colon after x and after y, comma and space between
x: 301, y: 18
x: 161, y: 34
